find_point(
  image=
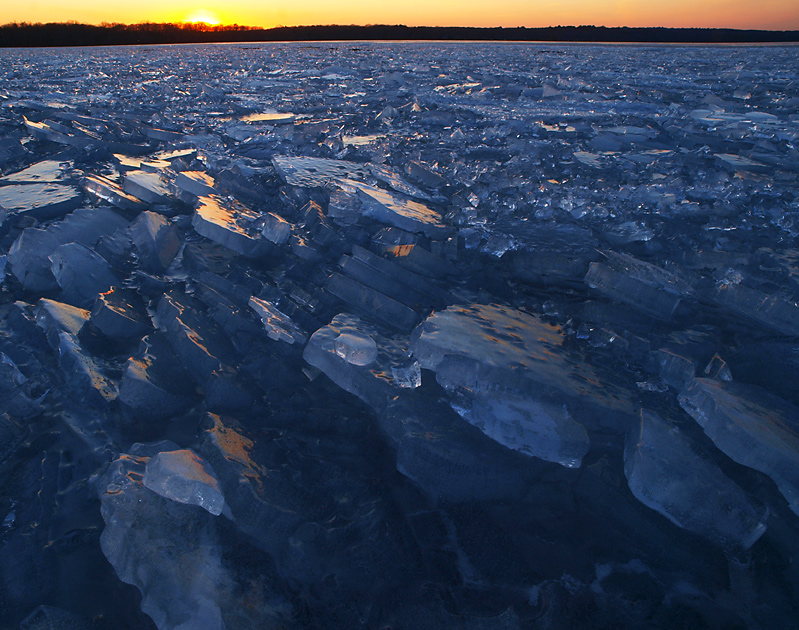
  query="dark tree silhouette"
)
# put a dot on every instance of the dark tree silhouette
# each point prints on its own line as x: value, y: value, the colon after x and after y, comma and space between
x: 73, y: 34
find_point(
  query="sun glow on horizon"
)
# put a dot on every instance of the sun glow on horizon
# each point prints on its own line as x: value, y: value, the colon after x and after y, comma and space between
x: 203, y: 16
x: 771, y: 14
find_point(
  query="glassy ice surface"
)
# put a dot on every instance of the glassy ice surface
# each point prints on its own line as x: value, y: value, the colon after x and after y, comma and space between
x: 430, y: 335
x: 184, y: 477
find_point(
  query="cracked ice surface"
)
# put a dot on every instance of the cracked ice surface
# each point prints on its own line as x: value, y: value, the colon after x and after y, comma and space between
x: 429, y: 335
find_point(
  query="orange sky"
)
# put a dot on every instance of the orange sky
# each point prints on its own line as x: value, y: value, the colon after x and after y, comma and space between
x: 767, y: 14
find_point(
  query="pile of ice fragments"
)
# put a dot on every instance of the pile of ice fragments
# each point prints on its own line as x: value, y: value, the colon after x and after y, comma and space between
x: 399, y: 336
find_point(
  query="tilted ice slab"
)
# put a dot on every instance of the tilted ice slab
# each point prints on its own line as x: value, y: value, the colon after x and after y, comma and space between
x: 196, y: 183
x: 86, y: 380
x: 639, y: 284
x: 272, y: 118
x: 185, y: 477
x: 105, y: 190
x: 230, y: 225
x: 361, y: 361
x: 81, y: 273
x: 773, y: 311
x: 54, y: 317
x: 540, y: 429
x: 488, y: 347
x: 149, y: 187
x: 752, y: 426
x: 120, y: 314
x: 511, y: 378
x: 278, y: 325
x: 156, y: 241
x: 276, y: 229
x: 164, y: 548
x: 40, y: 200
x: 46, y: 171
x: 29, y: 253
x: 154, y: 386
x: 406, y: 214
x: 668, y: 474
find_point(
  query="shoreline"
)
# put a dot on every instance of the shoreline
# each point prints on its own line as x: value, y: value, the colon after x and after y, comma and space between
x: 27, y: 35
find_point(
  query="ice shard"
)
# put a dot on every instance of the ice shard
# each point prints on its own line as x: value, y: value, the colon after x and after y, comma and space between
x: 169, y: 555
x: 105, y: 190
x: 149, y: 187
x: 752, y: 427
x: 183, y: 476
x: 81, y: 273
x: 154, y: 386
x: 156, y: 241
x: 670, y: 475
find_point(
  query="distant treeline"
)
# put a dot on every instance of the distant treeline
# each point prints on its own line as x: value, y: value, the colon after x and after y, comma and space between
x: 74, y: 34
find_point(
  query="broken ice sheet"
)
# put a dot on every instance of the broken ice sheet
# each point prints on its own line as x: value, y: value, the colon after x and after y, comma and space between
x: 517, y: 193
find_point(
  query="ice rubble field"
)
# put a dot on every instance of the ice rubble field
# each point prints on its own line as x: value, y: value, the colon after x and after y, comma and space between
x: 399, y: 336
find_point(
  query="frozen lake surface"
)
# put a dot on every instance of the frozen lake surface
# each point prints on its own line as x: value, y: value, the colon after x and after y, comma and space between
x: 426, y: 335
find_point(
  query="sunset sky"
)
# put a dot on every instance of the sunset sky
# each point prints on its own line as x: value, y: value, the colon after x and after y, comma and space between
x: 765, y: 14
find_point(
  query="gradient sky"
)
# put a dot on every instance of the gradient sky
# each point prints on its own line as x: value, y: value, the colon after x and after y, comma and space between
x: 766, y: 14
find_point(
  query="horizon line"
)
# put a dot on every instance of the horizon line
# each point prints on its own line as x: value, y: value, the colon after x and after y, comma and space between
x: 221, y: 27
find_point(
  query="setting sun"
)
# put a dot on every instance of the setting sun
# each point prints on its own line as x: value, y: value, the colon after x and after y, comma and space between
x: 201, y: 16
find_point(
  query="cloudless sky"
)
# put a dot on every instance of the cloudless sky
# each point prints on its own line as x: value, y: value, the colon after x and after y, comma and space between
x: 765, y: 14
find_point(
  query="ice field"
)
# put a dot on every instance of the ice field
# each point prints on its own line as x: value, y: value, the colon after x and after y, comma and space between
x: 399, y: 335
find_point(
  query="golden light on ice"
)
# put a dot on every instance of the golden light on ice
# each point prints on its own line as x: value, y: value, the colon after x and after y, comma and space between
x: 201, y: 16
